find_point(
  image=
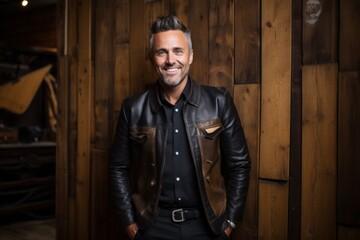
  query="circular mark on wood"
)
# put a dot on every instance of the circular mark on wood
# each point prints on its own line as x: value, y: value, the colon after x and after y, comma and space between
x: 312, y: 11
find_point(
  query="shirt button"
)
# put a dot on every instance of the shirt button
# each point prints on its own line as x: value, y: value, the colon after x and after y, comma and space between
x: 179, y: 199
x: 176, y: 153
x: 152, y: 183
x: 178, y: 179
x: 176, y: 130
x: 176, y: 110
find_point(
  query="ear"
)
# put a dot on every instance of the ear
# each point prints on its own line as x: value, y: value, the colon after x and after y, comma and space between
x: 191, y: 56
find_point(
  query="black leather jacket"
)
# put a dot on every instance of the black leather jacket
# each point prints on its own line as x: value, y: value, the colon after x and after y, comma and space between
x: 217, y: 144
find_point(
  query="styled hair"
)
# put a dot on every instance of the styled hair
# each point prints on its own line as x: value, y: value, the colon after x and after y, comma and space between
x: 167, y: 23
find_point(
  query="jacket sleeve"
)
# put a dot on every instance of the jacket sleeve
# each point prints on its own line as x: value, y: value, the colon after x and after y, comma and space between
x: 237, y: 160
x: 120, y: 163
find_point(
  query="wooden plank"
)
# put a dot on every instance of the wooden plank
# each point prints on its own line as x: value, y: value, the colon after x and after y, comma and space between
x: 349, y: 149
x: 99, y: 195
x: 349, y: 35
x: 122, y: 79
x: 180, y: 8
x: 221, y: 44
x: 247, y: 41
x: 276, y: 82
x: 85, y: 94
x: 247, y: 101
x: 273, y: 202
x: 104, y: 72
x: 122, y: 22
x: 62, y: 135
x: 320, y: 31
x: 71, y: 48
x: 319, y: 152
x: 199, y: 27
x: 348, y: 233
x: 122, y: 57
x: 137, y: 48
x: 103, y: 117
x: 294, y: 207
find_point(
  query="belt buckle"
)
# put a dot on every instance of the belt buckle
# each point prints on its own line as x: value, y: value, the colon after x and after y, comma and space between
x: 180, y: 210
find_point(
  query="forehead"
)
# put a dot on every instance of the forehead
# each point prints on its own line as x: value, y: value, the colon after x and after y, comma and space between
x: 170, y: 39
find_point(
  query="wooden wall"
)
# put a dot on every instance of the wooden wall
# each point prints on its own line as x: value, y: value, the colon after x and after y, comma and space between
x: 29, y: 29
x: 295, y: 82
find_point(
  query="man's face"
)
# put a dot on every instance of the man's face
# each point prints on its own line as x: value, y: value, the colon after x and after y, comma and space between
x: 171, y: 57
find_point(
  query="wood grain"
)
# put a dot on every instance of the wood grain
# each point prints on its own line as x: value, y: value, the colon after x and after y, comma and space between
x: 247, y: 101
x: 273, y: 196
x: 349, y: 149
x: 221, y: 44
x: 84, y: 124
x: 349, y: 35
x: 320, y: 35
x: 275, y: 89
x: 199, y: 27
x: 247, y: 41
x: 319, y: 152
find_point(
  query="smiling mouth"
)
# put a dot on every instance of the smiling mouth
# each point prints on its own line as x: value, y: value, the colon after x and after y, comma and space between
x: 171, y: 70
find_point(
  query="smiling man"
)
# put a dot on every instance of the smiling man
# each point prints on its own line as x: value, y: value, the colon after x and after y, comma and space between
x: 179, y: 163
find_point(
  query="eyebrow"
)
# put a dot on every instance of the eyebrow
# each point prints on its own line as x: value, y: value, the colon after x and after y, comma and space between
x: 166, y: 50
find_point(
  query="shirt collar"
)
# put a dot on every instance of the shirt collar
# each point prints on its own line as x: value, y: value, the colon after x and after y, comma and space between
x: 184, y: 95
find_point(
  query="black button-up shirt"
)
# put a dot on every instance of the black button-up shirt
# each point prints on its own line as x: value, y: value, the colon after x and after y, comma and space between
x: 179, y: 184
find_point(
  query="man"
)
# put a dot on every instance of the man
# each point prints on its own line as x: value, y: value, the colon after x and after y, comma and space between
x: 179, y: 164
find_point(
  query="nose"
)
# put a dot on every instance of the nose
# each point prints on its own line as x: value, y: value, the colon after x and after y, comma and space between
x: 170, y: 58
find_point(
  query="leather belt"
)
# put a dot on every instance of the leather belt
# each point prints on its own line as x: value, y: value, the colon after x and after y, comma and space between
x: 179, y: 215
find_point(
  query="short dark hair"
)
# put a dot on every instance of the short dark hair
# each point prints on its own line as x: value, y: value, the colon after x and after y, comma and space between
x: 168, y: 23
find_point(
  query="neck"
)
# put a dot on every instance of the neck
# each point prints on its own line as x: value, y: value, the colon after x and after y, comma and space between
x: 172, y: 94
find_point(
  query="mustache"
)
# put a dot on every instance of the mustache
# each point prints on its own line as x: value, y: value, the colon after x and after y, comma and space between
x: 174, y: 65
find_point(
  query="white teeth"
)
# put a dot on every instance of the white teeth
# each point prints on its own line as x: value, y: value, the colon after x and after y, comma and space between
x: 171, y: 69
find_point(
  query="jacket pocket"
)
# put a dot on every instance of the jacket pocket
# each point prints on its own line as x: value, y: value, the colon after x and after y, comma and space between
x: 211, y: 132
x: 144, y: 168
x: 209, y: 142
x: 139, y: 137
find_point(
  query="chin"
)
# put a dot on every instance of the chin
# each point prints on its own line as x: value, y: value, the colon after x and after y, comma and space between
x: 171, y: 83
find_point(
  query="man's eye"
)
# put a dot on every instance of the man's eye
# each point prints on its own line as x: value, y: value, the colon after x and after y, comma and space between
x: 160, y: 53
x: 178, y: 51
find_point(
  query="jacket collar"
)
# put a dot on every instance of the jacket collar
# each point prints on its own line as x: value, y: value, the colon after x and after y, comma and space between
x: 193, y: 98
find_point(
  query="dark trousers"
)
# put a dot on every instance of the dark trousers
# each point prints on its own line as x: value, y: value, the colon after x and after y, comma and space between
x: 166, y: 229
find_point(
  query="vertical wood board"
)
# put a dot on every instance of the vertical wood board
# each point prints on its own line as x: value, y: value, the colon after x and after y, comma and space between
x: 84, y: 116
x: 247, y: 41
x: 221, y: 44
x: 294, y: 222
x: 349, y: 149
x: 104, y: 72
x: 319, y: 152
x: 72, y: 141
x: 246, y: 99
x: 180, y: 8
x: 349, y: 35
x: 348, y: 233
x: 122, y: 55
x: 122, y: 21
x: 99, y: 195
x: 62, y: 168
x: 199, y: 27
x: 320, y: 31
x: 137, y: 48
x: 275, y: 89
x: 273, y: 202
x: 122, y: 79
